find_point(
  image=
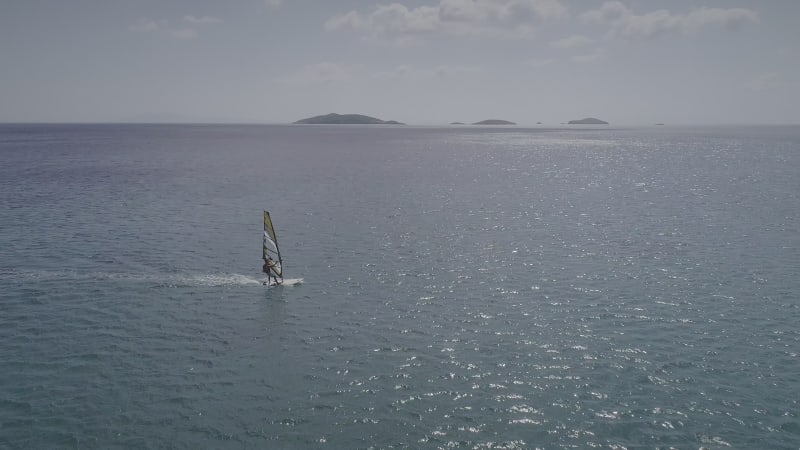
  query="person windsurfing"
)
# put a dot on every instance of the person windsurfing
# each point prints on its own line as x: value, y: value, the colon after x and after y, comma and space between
x: 268, y: 268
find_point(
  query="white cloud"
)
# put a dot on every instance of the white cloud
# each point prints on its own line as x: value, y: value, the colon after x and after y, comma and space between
x: 510, y: 19
x: 163, y: 27
x: 145, y: 26
x: 205, y: 20
x: 323, y: 72
x: 766, y: 81
x: 574, y: 41
x: 589, y: 57
x: 330, y: 72
x: 481, y: 11
x: 404, y: 72
x: 625, y: 22
x: 348, y: 21
x: 538, y: 63
x: 610, y: 12
x: 184, y: 33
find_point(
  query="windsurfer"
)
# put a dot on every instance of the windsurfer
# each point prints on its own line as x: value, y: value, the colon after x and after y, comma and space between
x: 268, y: 266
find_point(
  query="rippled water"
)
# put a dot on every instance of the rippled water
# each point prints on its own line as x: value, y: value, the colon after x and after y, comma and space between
x: 464, y: 287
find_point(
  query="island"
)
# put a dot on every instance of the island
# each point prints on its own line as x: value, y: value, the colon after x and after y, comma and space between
x: 457, y: 123
x: 587, y: 121
x: 494, y: 122
x: 347, y: 119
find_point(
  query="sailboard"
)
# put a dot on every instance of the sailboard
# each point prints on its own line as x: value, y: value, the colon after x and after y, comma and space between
x: 273, y: 263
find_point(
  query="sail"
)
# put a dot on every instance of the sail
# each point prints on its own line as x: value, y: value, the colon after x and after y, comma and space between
x: 270, y: 247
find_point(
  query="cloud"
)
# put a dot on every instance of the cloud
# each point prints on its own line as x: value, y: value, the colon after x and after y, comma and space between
x: 624, y: 22
x: 574, y: 41
x: 404, y: 72
x: 539, y: 63
x: 323, y: 72
x: 766, y: 81
x: 184, y: 33
x: 509, y: 19
x: 595, y: 56
x: 330, y: 72
x: 165, y: 28
x: 205, y: 20
x: 145, y: 26
x: 388, y: 19
x: 610, y: 12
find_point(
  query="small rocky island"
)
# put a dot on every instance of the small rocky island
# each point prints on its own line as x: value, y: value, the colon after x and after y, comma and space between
x: 494, y: 122
x: 587, y: 121
x: 347, y: 119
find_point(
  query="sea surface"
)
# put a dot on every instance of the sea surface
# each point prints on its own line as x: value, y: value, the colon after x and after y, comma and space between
x: 464, y: 287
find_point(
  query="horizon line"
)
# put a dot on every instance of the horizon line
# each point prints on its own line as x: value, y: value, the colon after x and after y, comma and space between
x: 423, y: 124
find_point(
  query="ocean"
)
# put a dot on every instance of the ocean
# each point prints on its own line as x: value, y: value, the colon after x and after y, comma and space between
x: 464, y: 287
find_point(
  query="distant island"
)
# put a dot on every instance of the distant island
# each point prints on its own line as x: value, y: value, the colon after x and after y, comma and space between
x: 457, y: 123
x: 494, y: 122
x: 347, y: 119
x: 587, y: 121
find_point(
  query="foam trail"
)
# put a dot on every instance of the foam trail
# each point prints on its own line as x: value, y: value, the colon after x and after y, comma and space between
x: 234, y: 279
x: 158, y: 279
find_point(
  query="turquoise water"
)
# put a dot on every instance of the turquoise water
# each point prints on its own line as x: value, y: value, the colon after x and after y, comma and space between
x: 464, y: 287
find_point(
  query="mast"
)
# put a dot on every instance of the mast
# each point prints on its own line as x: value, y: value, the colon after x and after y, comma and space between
x: 269, y: 234
x: 277, y: 249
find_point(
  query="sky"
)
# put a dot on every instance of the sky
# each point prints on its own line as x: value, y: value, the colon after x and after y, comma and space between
x: 421, y: 62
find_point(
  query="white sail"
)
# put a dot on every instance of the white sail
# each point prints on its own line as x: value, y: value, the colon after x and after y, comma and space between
x: 271, y: 252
